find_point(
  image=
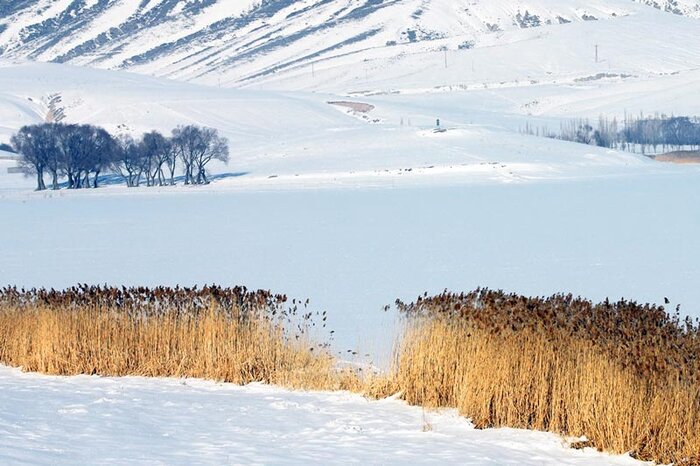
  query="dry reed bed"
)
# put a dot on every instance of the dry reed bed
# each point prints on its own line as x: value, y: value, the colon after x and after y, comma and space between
x: 626, y: 376
x: 227, y: 334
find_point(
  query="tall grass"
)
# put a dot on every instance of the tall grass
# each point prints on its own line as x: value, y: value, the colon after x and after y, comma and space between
x: 623, y: 375
x: 230, y: 335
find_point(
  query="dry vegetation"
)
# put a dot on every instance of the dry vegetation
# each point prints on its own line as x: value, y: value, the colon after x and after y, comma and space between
x: 624, y: 375
x: 227, y: 334
x: 680, y: 157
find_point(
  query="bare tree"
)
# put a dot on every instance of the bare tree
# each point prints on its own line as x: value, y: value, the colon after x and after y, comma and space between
x: 156, y: 149
x: 197, y: 147
x: 187, y: 143
x: 68, y: 161
x: 172, y: 156
x: 85, y: 150
x: 81, y: 153
x: 217, y: 149
x: 55, y: 156
x: 35, y: 145
x: 128, y: 160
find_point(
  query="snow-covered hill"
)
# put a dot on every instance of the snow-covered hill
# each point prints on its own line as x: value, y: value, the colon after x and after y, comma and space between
x: 234, y: 41
x: 283, y: 138
x: 679, y: 7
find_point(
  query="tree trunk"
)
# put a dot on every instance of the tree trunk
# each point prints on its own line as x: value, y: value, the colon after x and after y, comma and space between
x: 54, y: 181
x: 40, y: 180
x: 188, y: 173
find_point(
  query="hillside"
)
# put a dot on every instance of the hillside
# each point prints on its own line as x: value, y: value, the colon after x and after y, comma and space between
x: 302, y: 139
x: 233, y: 43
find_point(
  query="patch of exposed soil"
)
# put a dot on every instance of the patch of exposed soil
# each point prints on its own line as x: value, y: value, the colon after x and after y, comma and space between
x: 682, y: 157
x: 358, y: 107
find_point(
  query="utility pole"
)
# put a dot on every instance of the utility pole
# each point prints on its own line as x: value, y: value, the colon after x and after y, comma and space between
x: 445, y: 57
x: 596, y: 53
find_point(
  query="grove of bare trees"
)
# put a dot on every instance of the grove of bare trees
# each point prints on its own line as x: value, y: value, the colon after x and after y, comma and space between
x: 79, y: 154
x: 647, y: 135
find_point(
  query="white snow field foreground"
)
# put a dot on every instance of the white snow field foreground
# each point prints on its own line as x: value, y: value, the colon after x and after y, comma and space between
x: 91, y: 420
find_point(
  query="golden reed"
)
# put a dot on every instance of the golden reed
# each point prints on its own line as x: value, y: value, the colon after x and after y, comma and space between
x: 625, y: 376
x: 231, y: 335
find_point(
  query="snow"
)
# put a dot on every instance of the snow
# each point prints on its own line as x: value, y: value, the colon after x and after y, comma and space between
x: 304, y: 148
x: 89, y: 420
x: 285, y: 38
x: 351, y: 211
x: 352, y: 250
x: 557, y: 54
x: 323, y: 205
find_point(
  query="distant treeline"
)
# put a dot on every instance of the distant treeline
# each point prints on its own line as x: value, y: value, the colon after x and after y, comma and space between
x: 655, y: 134
x: 81, y: 153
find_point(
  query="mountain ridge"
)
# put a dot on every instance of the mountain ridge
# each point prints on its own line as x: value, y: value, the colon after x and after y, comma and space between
x: 199, y: 39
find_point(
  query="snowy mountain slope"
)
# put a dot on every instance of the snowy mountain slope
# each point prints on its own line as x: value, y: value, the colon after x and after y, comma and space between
x: 281, y: 138
x: 679, y: 7
x: 222, y: 40
x: 561, y: 54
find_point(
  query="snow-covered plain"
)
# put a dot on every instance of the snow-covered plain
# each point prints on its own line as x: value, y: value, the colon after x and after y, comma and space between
x: 353, y: 214
x: 354, y: 210
x: 88, y: 420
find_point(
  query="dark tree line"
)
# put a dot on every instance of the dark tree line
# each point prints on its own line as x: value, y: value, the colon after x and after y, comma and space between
x: 80, y: 153
x: 644, y: 134
x: 677, y: 133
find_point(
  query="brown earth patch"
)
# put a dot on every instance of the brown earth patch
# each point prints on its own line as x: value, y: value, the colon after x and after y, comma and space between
x: 681, y: 157
x: 359, y: 107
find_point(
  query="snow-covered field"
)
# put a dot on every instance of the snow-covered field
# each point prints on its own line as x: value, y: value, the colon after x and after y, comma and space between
x: 354, y: 210
x: 88, y: 420
x: 352, y: 214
